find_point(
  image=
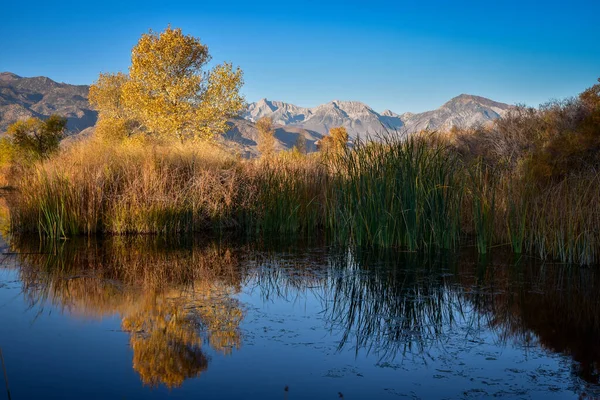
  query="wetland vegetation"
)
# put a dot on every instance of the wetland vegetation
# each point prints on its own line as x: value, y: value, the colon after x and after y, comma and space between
x: 161, y: 237
x: 529, y: 180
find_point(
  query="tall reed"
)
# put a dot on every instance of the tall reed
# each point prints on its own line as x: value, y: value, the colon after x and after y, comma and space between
x: 131, y: 188
x: 564, y: 221
x: 483, y: 199
x: 397, y: 193
x: 417, y: 193
x: 286, y: 194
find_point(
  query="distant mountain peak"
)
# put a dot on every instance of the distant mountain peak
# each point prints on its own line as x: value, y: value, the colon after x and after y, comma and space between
x: 8, y: 76
x: 466, y: 98
x: 361, y: 120
x: 266, y: 104
x: 40, y: 97
x: 389, y: 113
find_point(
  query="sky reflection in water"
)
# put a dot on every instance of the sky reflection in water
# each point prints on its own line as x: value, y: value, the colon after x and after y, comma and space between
x: 139, y: 318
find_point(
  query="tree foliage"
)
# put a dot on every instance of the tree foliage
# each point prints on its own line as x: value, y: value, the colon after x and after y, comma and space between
x: 571, y: 137
x: 336, y: 141
x: 547, y: 144
x: 168, y: 92
x: 35, y: 138
x: 115, y: 122
x: 266, y: 137
x: 106, y: 95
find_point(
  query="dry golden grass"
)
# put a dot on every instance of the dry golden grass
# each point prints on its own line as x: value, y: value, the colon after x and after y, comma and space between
x: 428, y: 192
x: 136, y: 186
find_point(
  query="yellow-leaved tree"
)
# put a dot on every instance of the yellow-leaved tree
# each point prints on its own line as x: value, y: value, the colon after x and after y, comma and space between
x: 34, y: 138
x: 266, y: 137
x: 336, y: 141
x: 168, y: 91
x: 114, y: 119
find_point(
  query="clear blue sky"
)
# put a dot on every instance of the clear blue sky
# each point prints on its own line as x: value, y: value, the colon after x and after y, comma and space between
x: 405, y: 56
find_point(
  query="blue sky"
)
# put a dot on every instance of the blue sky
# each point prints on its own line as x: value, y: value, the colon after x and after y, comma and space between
x: 403, y: 56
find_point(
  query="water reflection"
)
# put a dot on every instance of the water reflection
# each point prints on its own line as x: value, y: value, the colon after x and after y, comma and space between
x: 174, y: 299
x: 392, y: 303
x: 556, y: 307
x: 171, y: 299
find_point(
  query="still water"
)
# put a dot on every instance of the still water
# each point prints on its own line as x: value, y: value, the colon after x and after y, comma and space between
x: 132, y: 318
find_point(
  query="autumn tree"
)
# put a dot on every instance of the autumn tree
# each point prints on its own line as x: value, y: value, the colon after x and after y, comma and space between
x: 115, y: 121
x: 36, y: 138
x: 266, y: 137
x: 546, y: 145
x: 168, y: 91
x: 572, y: 139
x: 336, y: 140
x: 106, y: 95
x: 590, y: 99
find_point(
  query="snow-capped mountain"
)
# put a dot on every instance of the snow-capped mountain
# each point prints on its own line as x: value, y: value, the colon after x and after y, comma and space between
x: 361, y: 120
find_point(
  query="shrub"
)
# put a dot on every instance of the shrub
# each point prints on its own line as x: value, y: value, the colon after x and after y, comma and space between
x: 34, y: 138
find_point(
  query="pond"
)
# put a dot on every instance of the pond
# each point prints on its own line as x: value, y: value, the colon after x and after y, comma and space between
x: 133, y: 318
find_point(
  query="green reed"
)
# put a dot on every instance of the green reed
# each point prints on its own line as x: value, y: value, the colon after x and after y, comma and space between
x: 56, y: 216
x: 483, y: 198
x: 286, y: 196
x: 517, y: 221
x: 411, y: 193
x: 564, y: 221
x: 397, y: 193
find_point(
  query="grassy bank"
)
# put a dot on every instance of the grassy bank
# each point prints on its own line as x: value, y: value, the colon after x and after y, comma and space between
x: 375, y: 194
x: 417, y: 194
x: 148, y: 187
x: 529, y: 181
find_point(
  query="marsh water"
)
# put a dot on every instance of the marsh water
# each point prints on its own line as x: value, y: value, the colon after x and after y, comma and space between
x: 132, y: 318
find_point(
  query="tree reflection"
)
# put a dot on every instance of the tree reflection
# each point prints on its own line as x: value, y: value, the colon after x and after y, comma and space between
x: 175, y: 299
x: 166, y: 346
x: 172, y: 299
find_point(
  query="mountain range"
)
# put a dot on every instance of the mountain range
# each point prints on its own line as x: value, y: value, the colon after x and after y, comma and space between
x: 40, y: 97
x: 361, y: 120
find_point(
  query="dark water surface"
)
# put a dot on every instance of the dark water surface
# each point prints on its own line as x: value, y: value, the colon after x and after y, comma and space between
x: 132, y: 318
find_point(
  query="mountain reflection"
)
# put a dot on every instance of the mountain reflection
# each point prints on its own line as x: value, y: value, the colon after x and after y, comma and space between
x: 176, y: 298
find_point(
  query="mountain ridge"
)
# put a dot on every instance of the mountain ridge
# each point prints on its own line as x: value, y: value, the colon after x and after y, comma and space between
x: 40, y: 96
x: 464, y: 110
x: 23, y: 97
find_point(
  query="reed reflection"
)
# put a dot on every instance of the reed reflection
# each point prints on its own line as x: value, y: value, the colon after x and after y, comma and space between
x: 390, y: 302
x: 394, y: 304
x: 553, y: 306
x: 175, y: 298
